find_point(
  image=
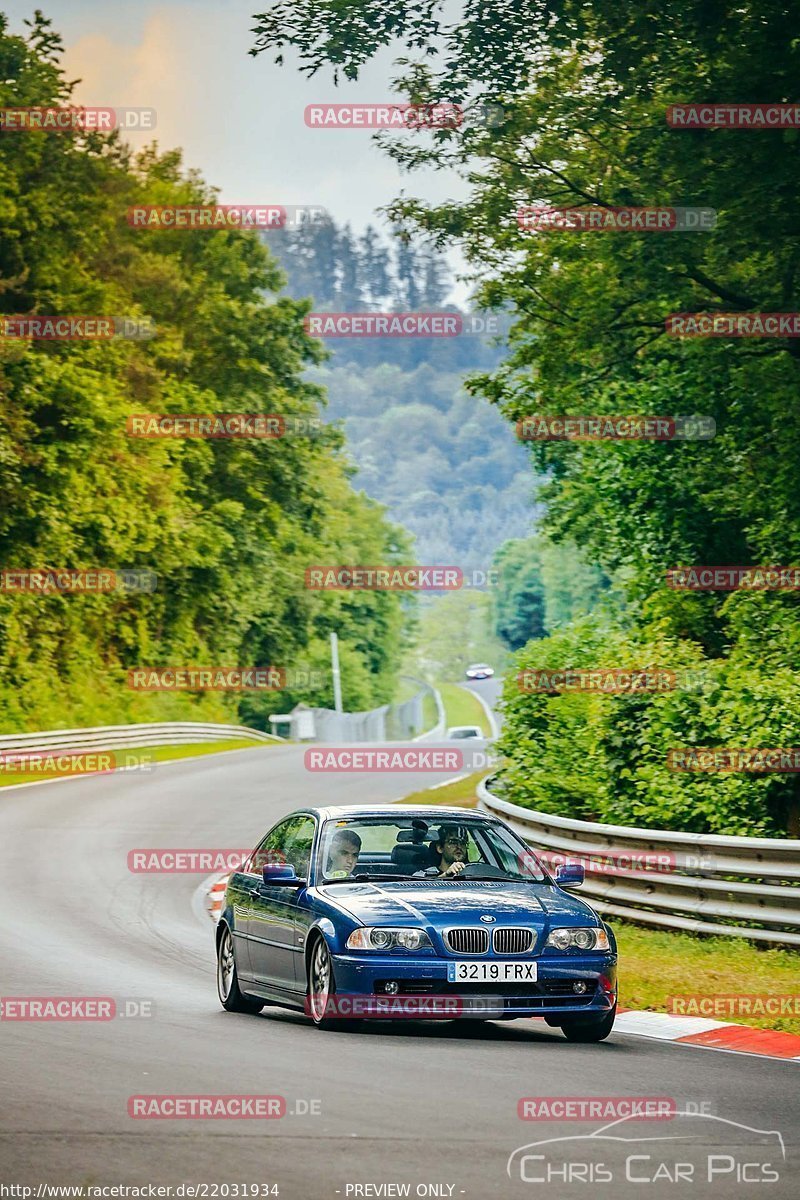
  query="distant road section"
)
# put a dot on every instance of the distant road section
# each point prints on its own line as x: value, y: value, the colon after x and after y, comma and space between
x: 490, y: 692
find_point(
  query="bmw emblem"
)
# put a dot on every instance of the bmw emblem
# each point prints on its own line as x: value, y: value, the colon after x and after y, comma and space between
x: 487, y: 920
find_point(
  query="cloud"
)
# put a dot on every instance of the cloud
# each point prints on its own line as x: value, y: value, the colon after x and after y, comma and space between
x: 239, y: 119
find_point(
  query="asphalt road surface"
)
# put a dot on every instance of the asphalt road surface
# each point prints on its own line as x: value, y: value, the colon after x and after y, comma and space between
x: 490, y: 690
x: 433, y: 1106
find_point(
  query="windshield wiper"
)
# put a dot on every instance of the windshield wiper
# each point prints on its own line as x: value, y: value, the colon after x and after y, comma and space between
x: 363, y: 878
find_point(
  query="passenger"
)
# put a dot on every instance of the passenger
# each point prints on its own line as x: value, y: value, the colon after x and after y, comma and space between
x: 343, y: 855
x: 450, y: 849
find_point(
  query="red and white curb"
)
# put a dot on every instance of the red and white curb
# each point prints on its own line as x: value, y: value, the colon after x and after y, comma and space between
x: 682, y: 1031
x: 712, y: 1035
x: 215, y: 896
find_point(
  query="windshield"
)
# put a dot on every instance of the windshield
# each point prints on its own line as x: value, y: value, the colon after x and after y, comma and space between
x: 406, y: 847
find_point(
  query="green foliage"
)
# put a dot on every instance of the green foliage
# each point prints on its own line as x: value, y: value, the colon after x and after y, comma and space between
x: 447, y: 466
x: 605, y: 757
x: 228, y: 526
x: 519, y: 600
x: 583, y: 92
x: 541, y: 585
x: 454, y: 630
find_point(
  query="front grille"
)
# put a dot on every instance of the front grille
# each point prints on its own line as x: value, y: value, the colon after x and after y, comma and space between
x: 467, y: 941
x: 512, y: 941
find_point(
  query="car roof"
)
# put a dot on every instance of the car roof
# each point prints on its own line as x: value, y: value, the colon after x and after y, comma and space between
x: 434, y: 813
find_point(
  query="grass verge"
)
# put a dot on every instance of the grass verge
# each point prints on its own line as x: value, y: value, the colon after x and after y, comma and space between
x: 137, y: 755
x: 657, y: 965
x: 461, y: 793
x: 462, y: 707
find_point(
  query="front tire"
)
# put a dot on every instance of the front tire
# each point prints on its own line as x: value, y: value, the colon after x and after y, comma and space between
x: 590, y: 1029
x: 231, y: 997
x: 322, y: 989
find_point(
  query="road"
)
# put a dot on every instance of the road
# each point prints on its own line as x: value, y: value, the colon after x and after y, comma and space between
x: 423, y: 1104
x: 489, y: 690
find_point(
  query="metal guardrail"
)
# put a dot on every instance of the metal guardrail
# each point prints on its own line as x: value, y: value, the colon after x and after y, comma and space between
x: 117, y: 737
x: 704, y: 880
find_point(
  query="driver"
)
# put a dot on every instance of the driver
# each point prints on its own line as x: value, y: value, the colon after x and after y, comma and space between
x: 450, y: 848
x: 344, y: 851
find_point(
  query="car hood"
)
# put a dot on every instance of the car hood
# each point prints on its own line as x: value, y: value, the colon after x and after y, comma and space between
x: 431, y: 902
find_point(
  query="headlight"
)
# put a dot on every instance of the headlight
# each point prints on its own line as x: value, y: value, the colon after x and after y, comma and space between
x: 578, y: 939
x: 378, y: 938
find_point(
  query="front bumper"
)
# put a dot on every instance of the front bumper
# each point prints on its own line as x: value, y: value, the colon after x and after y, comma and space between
x: 425, y: 978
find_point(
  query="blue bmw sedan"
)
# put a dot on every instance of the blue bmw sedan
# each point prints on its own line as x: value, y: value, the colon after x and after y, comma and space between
x: 383, y: 912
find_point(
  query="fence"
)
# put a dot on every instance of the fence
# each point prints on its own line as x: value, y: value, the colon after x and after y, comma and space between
x: 708, y: 880
x: 391, y: 722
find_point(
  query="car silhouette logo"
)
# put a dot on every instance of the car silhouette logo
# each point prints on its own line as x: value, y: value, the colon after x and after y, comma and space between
x: 487, y: 920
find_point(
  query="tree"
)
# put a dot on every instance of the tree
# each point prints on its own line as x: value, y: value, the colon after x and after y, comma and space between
x: 375, y: 267
x: 351, y: 296
x: 583, y: 94
x: 519, y: 601
x: 229, y: 526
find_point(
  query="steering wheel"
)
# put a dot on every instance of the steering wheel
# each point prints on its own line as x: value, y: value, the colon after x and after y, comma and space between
x: 478, y: 869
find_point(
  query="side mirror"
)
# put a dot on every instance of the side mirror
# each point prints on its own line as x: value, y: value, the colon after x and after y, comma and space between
x: 281, y: 874
x: 570, y: 875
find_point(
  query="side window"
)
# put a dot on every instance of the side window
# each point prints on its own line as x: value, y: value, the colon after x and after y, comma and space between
x: 290, y: 842
x: 298, y: 844
x: 270, y: 850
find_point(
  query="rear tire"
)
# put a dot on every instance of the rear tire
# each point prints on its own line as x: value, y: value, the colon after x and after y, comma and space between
x: 231, y: 997
x: 590, y: 1029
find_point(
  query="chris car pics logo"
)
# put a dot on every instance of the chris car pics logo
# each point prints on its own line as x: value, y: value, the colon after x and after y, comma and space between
x: 693, y: 1148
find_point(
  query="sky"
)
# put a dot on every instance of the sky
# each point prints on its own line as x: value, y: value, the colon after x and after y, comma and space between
x: 239, y: 119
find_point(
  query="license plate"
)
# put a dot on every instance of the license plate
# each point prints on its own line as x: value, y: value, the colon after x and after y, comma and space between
x: 491, y: 972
